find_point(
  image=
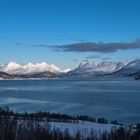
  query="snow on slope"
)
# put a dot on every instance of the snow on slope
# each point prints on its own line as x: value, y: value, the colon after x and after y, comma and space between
x: 86, y: 65
x: 130, y: 69
x: 83, y: 126
x: 134, y: 64
x: 85, y: 68
x: 14, y: 68
x: 90, y: 68
x: 66, y: 70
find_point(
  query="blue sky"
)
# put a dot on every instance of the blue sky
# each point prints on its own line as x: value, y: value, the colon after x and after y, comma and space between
x: 28, y: 27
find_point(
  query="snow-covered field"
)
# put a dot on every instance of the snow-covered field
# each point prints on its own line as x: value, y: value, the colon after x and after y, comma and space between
x: 82, y: 126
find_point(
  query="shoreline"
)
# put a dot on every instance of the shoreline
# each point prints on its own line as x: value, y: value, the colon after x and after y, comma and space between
x: 58, y: 117
x: 52, y: 126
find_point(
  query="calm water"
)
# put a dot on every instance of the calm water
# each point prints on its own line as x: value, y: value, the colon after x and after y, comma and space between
x: 112, y: 99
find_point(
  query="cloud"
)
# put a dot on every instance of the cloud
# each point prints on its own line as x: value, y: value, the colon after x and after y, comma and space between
x: 106, y: 58
x: 75, y: 60
x: 97, y: 47
x: 88, y: 46
x: 29, y: 45
x: 18, y: 43
x: 94, y: 56
x: 80, y: 40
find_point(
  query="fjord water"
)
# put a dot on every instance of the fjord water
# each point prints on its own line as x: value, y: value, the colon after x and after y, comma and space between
x: 109, y: 98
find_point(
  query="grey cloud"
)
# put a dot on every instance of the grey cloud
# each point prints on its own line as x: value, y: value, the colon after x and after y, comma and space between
x: 88, y: 46
x: 75, y: 60
x: 93, y: 56
x: 106, y: 58
x: 97, y: 47
x: 80, y: 40
x: 40, y: 45
x: 18, y: 43
x: 29, y: 45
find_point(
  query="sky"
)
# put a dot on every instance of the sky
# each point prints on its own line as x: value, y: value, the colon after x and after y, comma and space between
x: 66, y: 32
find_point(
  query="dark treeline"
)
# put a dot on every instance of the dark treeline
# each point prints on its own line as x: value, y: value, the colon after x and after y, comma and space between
x: 25, y: 126
x: 52, y: 117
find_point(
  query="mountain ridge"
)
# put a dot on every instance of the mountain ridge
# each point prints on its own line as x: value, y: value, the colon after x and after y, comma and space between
x: 13, y: 68
x: 86, y: 68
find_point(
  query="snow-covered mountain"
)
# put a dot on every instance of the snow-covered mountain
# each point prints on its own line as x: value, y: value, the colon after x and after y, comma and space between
x: 43, y: 70
x: 131, y: 69
x: 17, y: 69
x: 4, y: 75
x: 66, y: 70
x: 87, y: 68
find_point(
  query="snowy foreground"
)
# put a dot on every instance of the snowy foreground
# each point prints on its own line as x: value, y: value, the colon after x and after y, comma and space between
x: 55, y: 126
x: 82, y: 127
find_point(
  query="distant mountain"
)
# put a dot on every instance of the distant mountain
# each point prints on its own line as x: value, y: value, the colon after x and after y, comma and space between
x: 137, y: 76
x: 66, y: 70
x: 12, y: 70
x: 131, y: 69
x: 16, y: 69
x: 4, y: 75
x: 44, y: 75
x: 87, y: 68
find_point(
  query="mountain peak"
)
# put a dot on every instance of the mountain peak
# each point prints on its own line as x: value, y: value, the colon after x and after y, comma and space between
x: 90, y: 68
x: 106, y: 63
x: 44, y: 63
x: 29, y: 64
x: 134, y: 64
x: 12, y: 64
x: 29, y: 68
x: 66, y: 70
x: 86, y: 64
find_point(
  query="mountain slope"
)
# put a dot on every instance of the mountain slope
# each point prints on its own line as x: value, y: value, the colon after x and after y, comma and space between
x: 44, y: 75
x: 16, y: 69
x: 4, y: 75
x: 87, y: 68
x: 131, y: 69
x: 137, y: 76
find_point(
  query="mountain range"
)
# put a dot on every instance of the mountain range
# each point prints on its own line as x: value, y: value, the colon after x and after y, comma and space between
x: 43, y: 70
x: 87, y: 68
x: 30, y: 68
x: 12, y: 70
